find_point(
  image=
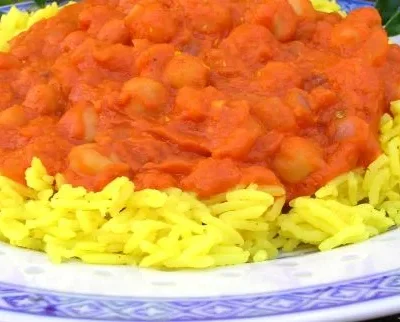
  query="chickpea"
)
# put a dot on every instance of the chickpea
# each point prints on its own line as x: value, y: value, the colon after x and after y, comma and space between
x: 42, y: 99
x: 116, y: 57
x: 376, y: 48
x: 302, y: 105
x: 13, y: 116
x: 210, y: 17
x: 303, y: 8
x: 93, y: 18
x: 189, y: 103
x: 253, y: 42
x: 323, y: 97
x: 86, y: 160
x: 73, y: 40
x: 284, y: 22
x: 351, y: 129
x: 279, y: 76
x: 297, y: 159
x: 186, y: 70
x: 368, y: 16
x: 143, y: 94
x: 152, y: 61
x: 274, y: 114
x: 79, y: 122
x: 114, y: 31
x: 152, y: 22
x: 278, y: 16
x: 346, y: 36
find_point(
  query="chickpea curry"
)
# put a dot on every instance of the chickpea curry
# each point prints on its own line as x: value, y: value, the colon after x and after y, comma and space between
x: 200, y: 95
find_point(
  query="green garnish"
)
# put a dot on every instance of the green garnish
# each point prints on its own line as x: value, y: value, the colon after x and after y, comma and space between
x: 6, y: 2
x: 393, y: 25
x: 387, y: 8
x: 389, y: 11
x: 40, y: 3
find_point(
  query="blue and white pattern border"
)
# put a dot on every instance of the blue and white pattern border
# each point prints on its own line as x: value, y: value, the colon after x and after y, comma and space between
x: 23, y: 6
x: 348, y: 5
x: 27, y: 5
x: 20, y: 299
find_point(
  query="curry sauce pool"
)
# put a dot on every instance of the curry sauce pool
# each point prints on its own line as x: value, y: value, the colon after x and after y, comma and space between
x: 172, y: 228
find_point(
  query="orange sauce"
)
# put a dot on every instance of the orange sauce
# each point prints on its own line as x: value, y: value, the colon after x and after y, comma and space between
x: 201, y: 95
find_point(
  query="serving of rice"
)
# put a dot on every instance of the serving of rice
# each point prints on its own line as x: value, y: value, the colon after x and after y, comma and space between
x: 174, y: 229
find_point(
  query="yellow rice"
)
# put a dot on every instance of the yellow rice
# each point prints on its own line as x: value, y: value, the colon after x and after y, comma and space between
x: 326, y: 5
x: 174, y: 229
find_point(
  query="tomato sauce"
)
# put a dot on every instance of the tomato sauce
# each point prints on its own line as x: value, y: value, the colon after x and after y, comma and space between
x: 201, y: 95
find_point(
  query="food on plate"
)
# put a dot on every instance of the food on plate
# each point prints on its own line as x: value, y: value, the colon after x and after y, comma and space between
x: 179, y: 134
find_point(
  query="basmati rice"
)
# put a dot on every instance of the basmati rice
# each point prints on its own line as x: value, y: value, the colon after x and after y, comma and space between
x: 174, y: 229
x: 326, y: 5
x: 16, y: 21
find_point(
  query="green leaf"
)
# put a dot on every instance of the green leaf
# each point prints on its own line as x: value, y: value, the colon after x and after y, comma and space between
x: 387, y: 8
x: 393, y: 25
x: 40, y: 3
x: 6, y: 2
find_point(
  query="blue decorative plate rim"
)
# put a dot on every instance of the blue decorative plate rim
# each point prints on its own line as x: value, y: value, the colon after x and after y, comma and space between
x: 24, y: 6
x: 46, y: 303
x: 21, y: 299
x: 348, y: 5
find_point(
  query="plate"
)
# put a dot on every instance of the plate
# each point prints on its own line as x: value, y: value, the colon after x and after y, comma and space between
x: 348, y: 284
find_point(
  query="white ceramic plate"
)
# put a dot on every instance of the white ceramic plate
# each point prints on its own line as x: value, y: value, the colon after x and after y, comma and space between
x: 348, y: 284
